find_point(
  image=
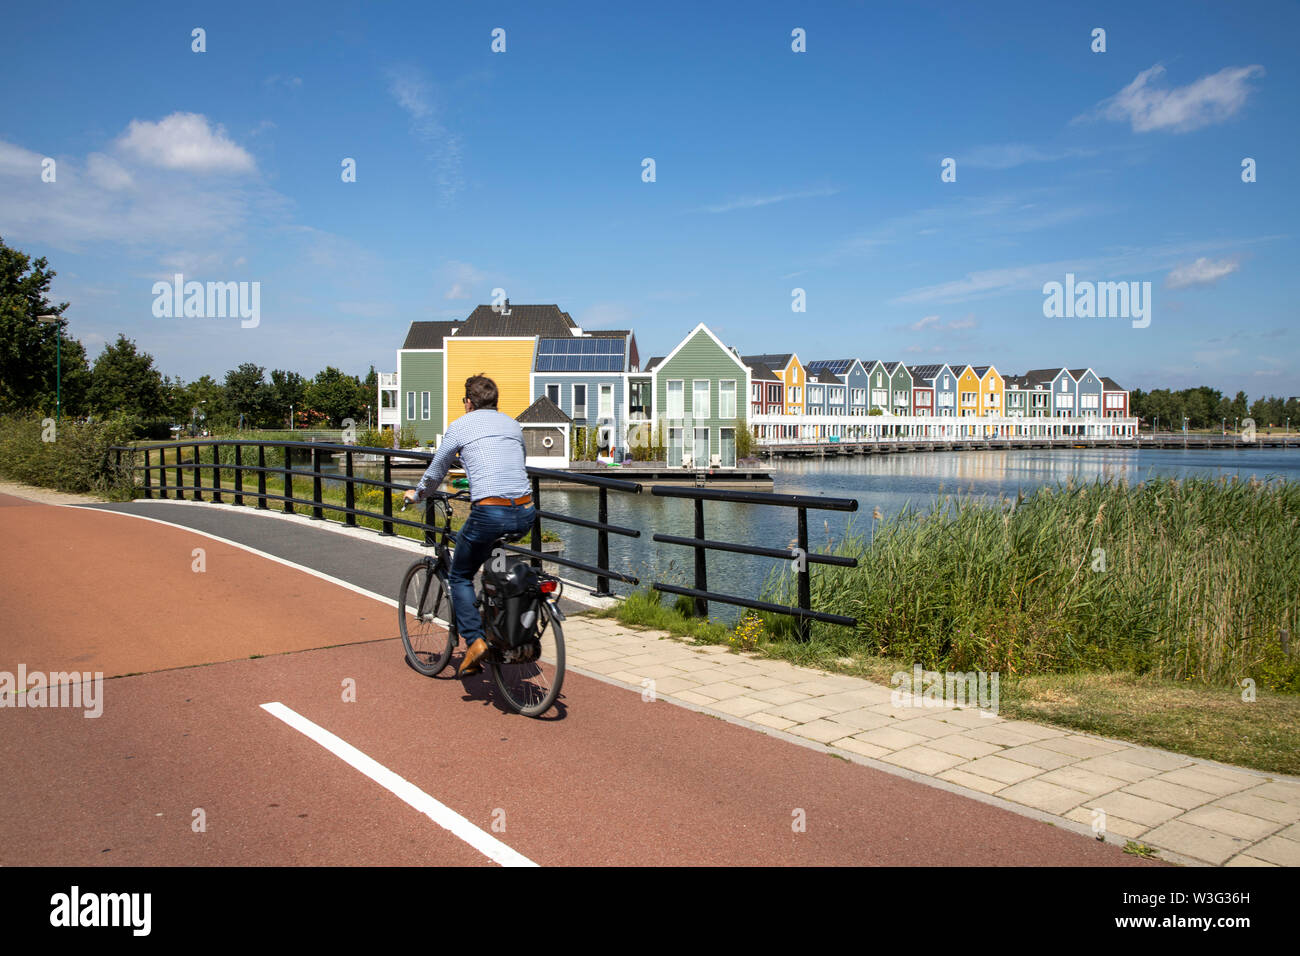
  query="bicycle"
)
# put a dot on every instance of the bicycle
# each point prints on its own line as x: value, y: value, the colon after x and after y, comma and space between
x: 523, y: 632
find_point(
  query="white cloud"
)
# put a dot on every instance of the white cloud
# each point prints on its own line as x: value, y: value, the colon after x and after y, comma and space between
x: 1201, y: 272
x: 753, y: 202
x: 185, y: 141
x: 107, y: 172
x: 1211, y: 99
x: 462, y: 276
x: 417, y: 96
x: 966, y: 323
x: 925, y: 321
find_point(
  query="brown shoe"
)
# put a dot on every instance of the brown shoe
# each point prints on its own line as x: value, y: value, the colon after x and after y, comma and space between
x: 470, y: 665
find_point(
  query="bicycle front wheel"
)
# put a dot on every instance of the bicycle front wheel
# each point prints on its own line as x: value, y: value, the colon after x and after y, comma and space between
x: 424, y: 615
x: 531, y: 687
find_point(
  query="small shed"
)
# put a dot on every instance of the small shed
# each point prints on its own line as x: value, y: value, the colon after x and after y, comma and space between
x: 546, y: 434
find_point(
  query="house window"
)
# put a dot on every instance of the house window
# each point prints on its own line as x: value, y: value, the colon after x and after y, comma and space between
x: 727, y: 447
x: 410, y: 406
x: 606, y: 401
x: 947, y: 384
x: 774, y: 394
x: 815, y: 394
x: 879, y: 396
x: 1088, y: 401
x: 700, y: 398
x: 727, y: 399
x: 700, y: 453
x: 676, y: 399
x: 579, y: 401
x: 900, y: 398
x: 674, y: 447
x: 424, y: 405
x: 967, y: 398
x: 859, y: 396
x: 756, y: 392
x: 553, y: 393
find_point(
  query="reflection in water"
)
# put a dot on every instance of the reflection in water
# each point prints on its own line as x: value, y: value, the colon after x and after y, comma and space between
x: 887, y: 482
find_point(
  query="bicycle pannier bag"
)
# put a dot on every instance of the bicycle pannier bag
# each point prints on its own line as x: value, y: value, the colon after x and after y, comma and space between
x: 510, y: 596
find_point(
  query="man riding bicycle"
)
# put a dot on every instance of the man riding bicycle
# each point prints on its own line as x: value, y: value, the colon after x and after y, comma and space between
x: 491, y: 447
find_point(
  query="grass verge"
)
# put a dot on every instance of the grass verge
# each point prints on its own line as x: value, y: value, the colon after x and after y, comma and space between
x: 1210, y: 722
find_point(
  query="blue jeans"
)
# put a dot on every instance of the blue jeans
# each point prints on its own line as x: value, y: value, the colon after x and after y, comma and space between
x: 474, y: 541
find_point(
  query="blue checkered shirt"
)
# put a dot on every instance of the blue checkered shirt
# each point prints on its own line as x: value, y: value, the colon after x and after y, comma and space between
x: 491, y: 446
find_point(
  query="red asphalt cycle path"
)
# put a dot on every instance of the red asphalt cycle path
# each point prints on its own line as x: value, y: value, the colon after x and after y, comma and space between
x: 606, y: 779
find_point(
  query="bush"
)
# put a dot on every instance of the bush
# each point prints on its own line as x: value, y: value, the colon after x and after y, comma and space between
x: 70, y: 456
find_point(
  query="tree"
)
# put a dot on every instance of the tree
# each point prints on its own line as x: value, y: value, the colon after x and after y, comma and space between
x: 287, y: 390
x: 124, y: 380
x: 247, y: 394
x: 334, y: 395
x: 30, y: 349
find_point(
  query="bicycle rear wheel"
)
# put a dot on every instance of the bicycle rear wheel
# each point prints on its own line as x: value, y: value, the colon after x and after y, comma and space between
x: 424, y: 615
x: 531, y: 687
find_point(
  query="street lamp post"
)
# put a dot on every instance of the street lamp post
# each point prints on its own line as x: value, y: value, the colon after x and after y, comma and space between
x: 58, y: 362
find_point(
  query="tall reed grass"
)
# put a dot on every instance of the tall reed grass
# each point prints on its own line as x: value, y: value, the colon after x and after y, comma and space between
x: 1192, y: 579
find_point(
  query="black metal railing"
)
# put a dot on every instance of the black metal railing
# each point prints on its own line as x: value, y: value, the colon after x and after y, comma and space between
x: 350, y: 481
x: 388, y: 521
x: 801, y: 557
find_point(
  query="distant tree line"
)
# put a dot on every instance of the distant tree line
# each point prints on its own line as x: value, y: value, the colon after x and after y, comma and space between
x: 122, y: 382
x: 1206, y: 407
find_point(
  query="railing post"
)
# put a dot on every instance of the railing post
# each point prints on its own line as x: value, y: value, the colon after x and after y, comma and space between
x: 216, y: 473
x: 701, y: 567
x: 288, y: 482
x: 162, y: 472
x: 261, y: 477
x: 388, y: 496
x: 536, y: 542
x: 805, y: 589
x: 316, y: 513
x: 180, y: 476
x: 239, y: 476
x: 602, y: 545
x: 349, y: 493
x: 148, y: 490
x: 198, y: 491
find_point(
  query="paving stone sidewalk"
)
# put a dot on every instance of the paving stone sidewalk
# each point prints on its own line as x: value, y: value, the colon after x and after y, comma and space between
x: 1194, y: 811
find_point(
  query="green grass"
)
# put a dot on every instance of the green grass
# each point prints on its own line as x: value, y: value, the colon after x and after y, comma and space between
x: 1191, y: 580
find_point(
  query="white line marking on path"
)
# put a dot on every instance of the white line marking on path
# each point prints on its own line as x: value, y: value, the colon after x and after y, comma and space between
x: 439, y: 813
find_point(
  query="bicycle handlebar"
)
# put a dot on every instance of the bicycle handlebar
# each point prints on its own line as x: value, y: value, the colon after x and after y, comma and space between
x: 441, y: 496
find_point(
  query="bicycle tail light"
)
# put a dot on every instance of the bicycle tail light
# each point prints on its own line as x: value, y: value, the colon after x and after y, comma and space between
x: 549, y: 587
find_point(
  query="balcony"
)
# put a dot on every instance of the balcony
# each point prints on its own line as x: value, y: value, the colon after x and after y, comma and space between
x: 388, y: 380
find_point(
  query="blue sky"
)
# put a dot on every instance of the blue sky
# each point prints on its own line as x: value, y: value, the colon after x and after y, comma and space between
x: 775, y: 170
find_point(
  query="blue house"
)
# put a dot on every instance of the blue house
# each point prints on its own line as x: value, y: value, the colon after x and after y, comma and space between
x: 586, y: 376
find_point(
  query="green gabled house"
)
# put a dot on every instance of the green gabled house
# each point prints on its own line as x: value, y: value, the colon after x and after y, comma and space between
x: 701, y: 400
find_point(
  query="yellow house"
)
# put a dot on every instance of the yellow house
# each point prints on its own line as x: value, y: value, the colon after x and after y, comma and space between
x: 968, y: 391
x: 793, y: 378
x: 507, y: 361
x: 992, y: 388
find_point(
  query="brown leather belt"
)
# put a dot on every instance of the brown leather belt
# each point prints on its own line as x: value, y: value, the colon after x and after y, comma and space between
x: 525, y: 500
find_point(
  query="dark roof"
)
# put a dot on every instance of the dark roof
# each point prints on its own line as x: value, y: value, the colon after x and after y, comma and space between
x: 958, y: 368
x: 981, y: 370
x: 778, y: 360
x: 649, y: 366
x: 828, y: 377
x: 428, y: 335
x: 925, y: 373
x: 1110, y: 385
x: 760, y: 370
x: 1078, y: 373
x: 607, y: 333
x: 1041, y: 376
x: 524, y: 320
x: 891, y: 367
x: 838, y: 366
x: 1016, y: 381
x: 543, y: 412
